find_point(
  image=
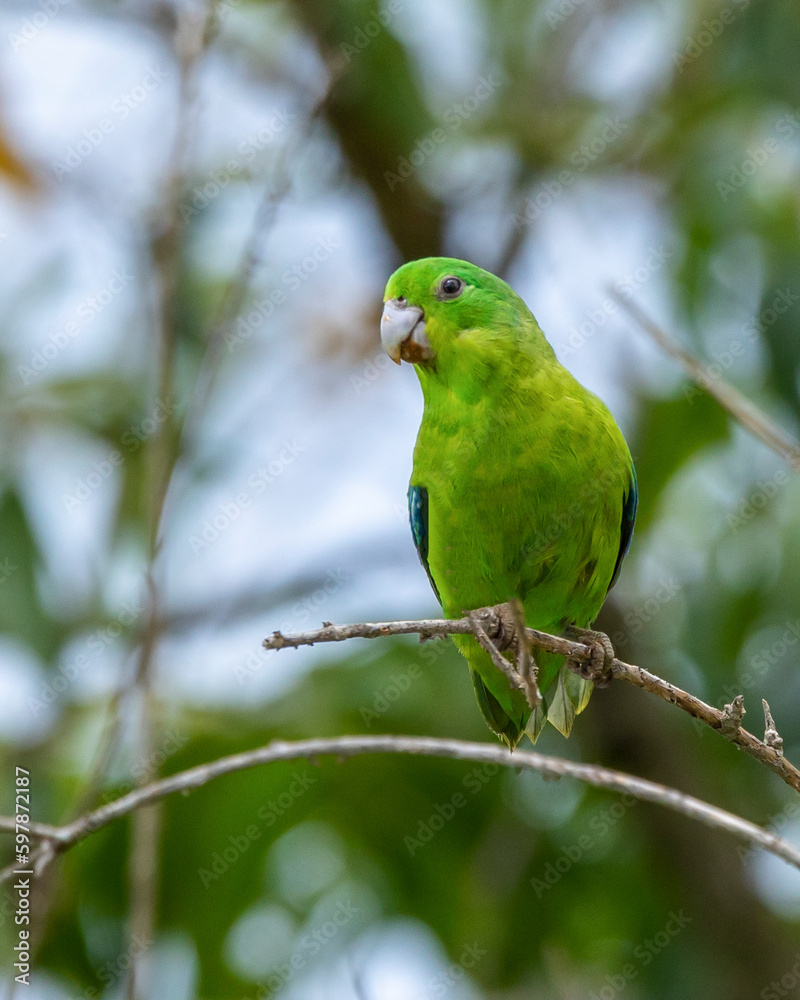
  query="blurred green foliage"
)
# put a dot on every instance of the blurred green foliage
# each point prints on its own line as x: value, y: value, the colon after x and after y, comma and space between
x: 569, y: 892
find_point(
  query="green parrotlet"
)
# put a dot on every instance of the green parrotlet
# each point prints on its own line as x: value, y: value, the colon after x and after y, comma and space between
x: 523, y: 487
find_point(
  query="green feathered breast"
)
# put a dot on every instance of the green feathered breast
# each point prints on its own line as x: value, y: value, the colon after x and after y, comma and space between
x: 522, y: 486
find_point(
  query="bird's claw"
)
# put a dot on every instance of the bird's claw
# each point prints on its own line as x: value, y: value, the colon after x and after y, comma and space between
x: 503, y: 627
x: 598, y: 668
x: 499, y: 624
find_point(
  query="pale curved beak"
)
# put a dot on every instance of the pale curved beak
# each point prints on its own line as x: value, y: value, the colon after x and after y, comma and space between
x: 403, y: 332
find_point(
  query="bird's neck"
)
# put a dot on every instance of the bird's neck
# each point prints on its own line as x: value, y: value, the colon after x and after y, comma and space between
x: 483, y: 376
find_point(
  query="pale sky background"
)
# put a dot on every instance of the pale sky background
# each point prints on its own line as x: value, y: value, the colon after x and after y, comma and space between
x: 336, y: 509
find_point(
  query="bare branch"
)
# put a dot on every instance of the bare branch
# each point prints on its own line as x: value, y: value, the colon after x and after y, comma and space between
x: 732, y: 715
x: 738, y: 405
x: 771, y: 737
x: 192, y: 35
x: 503, y: 665
x: 235, y: 295
x: 713, y: 717
x: 352, y: 746
x: 767, y: 755
x: 42, y: 831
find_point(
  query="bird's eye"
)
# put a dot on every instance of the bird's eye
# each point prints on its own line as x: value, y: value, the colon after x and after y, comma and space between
x: 450, y: 287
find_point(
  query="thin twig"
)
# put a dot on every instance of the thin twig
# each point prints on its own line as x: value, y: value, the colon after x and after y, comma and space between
x: 575, y: 651
x: 352, y: 746
x: 713, y: 717
x: 771, y: 736
x: 502, y: 664
x: 41, y: 831
x: 233, y: 300
x: 733, y: 714
x: 193, y: 32
x: 236, y: 292
x: 738, y: 405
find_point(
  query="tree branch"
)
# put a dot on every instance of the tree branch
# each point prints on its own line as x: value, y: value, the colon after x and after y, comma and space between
x: 737, y: 404
x: 768, y: 755
x: 41, y: 831
x: 190, y: 41
x: 64, y: 837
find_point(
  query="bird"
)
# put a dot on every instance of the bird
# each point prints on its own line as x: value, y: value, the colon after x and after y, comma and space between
x: 523, y: 492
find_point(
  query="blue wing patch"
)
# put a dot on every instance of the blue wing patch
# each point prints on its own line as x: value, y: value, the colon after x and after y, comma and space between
x: 418, y: 514
x: 626, y: 528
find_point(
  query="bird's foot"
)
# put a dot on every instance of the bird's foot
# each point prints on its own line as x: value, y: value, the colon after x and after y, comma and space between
x: 499, y: 623
x: 598, y: 668
x: 501, y: 628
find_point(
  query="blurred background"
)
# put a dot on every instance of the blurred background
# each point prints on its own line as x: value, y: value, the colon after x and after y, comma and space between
x: 202, y: 442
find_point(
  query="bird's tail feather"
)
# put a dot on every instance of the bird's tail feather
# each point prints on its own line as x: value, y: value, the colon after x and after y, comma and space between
x: 564, y: 695
x: 569, y: 698
x: 565, y: 698
x: 498, y: 720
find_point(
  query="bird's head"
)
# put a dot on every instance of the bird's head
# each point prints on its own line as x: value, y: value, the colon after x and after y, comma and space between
x: 439, y: 309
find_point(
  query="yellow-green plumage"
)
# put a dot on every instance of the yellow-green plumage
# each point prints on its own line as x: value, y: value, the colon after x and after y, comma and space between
x: 527, y: 477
